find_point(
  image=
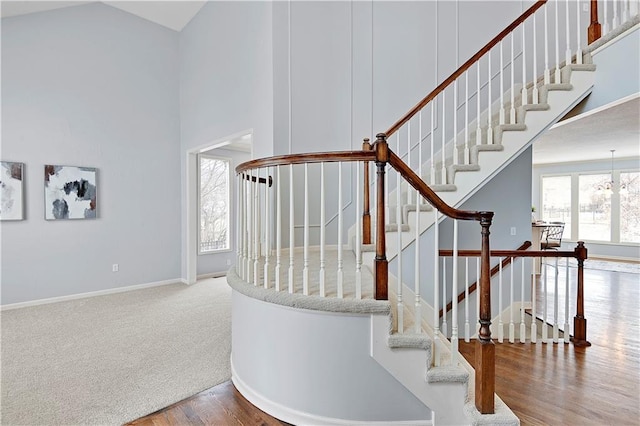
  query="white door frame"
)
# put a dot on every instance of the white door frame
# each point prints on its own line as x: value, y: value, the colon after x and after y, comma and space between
x: 190, y: 249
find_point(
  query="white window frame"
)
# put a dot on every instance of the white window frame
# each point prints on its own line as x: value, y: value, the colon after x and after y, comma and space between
x: 614, y: 238
x: 230, y: 197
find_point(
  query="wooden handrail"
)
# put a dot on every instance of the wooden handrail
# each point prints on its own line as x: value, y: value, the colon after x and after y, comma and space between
x: 313, y: 157
x: 506, y: 261
x: 464, y: 67
x: 414, y: 180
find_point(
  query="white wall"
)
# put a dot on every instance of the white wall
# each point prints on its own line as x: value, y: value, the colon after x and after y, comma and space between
x: 320, y: 368
x: 225, y: 80
x: 92, y: 86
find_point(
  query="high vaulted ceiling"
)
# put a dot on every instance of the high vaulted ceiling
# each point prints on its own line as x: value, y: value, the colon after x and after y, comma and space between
x: 171, y: 14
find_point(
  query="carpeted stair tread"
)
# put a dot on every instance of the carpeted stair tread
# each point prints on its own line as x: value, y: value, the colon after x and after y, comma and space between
x: 487, y: 147
x: 502, y: 416
x: 447, y: 187
x: 419, y: 341
x: 447, y: 374
x: 411, y: 208
x: 465, y: 167
x: 393, y: 227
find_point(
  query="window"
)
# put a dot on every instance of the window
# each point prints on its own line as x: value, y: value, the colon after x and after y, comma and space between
x: 595, y: 208
x: 214, y: 204
x: 556, y: 201
x: 630, y: 207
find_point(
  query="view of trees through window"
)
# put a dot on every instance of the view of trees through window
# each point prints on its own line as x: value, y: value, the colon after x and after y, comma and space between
x: 608, y: 207
x: 214, y: 204
x: 595, y: 208
x: 630, y: 207
x: 556, y: 202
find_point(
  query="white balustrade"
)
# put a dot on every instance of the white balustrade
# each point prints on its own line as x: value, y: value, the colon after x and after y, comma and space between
x: 323, y: 234
x: 454, y: 296
x: 500, y: 306
x: 291, y: 232
x: 305, y: 242
x: 267, y: 233
x: 512, y: 327
x: 436, y: 287
x: 340, y: 277
x: 523, y: 328
x: 278, y: 285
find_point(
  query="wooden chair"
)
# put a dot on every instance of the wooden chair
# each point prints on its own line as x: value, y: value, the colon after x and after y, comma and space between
x: 552, y: 236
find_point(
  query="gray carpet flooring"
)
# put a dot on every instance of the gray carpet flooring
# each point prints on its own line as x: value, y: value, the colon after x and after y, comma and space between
x: 111, y: 359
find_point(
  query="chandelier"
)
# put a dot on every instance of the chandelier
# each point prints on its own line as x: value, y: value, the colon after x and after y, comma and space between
x: 608, y: 187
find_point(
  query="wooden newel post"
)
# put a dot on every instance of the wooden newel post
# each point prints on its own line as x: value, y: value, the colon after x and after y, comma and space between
x: 366, y: 214
x: 485, y: 348
x: 579, y: 321
x: 381, y: 265
x: 594, y: 31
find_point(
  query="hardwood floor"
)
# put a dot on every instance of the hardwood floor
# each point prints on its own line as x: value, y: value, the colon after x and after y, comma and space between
x: 544, y: 384
x: 220, y: 405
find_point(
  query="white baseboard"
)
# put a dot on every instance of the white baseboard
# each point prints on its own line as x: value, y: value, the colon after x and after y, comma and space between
x: 297, y: 417
x: 88, y: 294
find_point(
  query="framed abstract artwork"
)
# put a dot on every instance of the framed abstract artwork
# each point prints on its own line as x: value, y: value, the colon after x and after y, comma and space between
x: 11, y: 190
x: 69, y: 192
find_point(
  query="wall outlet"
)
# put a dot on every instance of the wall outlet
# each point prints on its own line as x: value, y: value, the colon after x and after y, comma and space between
x: 115, y: 267
x: 228, y: 262
x: 585, y: 7
x: 513, y: 230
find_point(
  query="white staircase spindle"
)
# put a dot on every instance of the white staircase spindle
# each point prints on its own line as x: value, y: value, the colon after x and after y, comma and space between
x: 478, y: 107
x: 432, y: 176
x: 557, y: 78
x: 625, y: 11
x: 358, y: 243
x: 523, y: 327
x: 466, y: 119
x: 291, y: 232
x: 500, y: 306
x: 408, y: 159
x: 418, y: 300
x: 278, y: 230
x: 547, y: 69
x: 256, y: 230
x: 534, y: 320
x: 503, y: 106
x: 444, y: 297
x: 417, y: 304
x: 456, y: 150
x: 340, y: 282
x: 241, y: 224
x: 305, y: 260
x: 512, y: 326
x: 466, y: 300
x: 545, y: 328
x: 578, y: 35
x: 250, y: 228
x: 323, y: 233
x: 399, y: 257
x: 616, y: 18
x: 567, y: 53
x: 567, y: 336
x: 523, y: 92
x: 436, y: 287
x: 512, y: 110
x: 267, y: 234
x: 489, y: 94
x: 534, y: 91
x: 605, y: 20
x: 556, y: 327
x: 443, y: 172
x: 454, y: 297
